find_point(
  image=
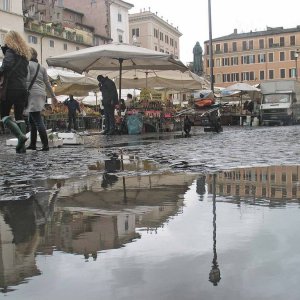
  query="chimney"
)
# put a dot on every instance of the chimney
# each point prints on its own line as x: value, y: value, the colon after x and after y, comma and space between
x: 235, y: 31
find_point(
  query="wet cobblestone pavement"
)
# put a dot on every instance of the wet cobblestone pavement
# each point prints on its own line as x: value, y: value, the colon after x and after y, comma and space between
x: 149, y: 217
x: 201, y: 153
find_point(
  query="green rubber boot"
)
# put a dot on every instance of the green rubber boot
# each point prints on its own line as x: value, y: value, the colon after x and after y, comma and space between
x: 22, y: 126
x: 17, y: 132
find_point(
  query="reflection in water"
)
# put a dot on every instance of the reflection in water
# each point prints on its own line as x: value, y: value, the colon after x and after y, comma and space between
x: 272, y: 186
x: 85, y: 217
x: 19, y: 240
x: 214, y: 274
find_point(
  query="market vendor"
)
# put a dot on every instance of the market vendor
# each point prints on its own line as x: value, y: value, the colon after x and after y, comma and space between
x: 73, y: 107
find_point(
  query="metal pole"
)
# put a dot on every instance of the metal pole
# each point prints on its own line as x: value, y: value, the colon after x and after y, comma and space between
x: 210, y: 49
x: 120, y: 83
x: 297, y: 68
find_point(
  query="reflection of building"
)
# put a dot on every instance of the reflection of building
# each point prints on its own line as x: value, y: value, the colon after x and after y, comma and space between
x: 272, y: 183
x: 90, y: 218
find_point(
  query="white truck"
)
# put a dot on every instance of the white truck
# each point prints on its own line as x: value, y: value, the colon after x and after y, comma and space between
x: 280, y: 102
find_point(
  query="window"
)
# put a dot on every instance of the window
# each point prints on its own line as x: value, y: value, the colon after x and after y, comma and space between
x: 166, y: 39
x: 271, y: 57
x: 32, y: 39
x: 171, y: 42
x: 261, y: 75
x: 261, y: 58
x: 292, y: 73
x: 282, y: 73
x: 271, y: 42
x: 234, y: 61
x: 218, y: 62
x: 51, y: 43
x: 251, y: 45
x: 247, y: 76
x: 135, y: 32
x: 218, y: 48
x: 225, y: 61
x: 225, y: 47
x: 261, y: 44
x: 155, y: 33
x: 120, y: 38
x: 234, y: 77
x: 244, y: 45
x: 65, y: 46
x: 271, y: 74
x: 234, y: 46
x: 119, y: 17
x: 281, y: 56
x: 281, y: 43
x: 161, y: 36
x: 292, y: 40
x: 292, y: 55
x: 6, y: 5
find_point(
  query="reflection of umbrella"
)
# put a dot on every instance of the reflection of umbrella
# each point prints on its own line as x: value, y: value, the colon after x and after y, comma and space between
x: 116, y: 57
x: 68, y: 83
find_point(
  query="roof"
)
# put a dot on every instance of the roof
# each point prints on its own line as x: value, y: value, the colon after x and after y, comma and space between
x: 253, y: 34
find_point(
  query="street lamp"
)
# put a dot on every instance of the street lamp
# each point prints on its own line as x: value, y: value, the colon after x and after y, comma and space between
x: 296, y: 60
x: 210, y: 48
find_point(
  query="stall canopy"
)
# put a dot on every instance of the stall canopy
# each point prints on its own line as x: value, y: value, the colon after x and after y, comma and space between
x: 116, y: 56
x: 69, y: 83
x: 171, y: 79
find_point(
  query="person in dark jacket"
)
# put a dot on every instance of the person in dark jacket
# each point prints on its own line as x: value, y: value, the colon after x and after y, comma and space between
x: 14, y: 68
x: 187, y: 126
x: 73, y: 107
x: 109, y: 101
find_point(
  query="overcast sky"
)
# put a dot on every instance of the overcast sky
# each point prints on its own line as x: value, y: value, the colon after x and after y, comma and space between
x: 191, y: 17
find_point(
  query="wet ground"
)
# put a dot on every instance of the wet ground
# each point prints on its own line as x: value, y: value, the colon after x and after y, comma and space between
x: 155, y: 216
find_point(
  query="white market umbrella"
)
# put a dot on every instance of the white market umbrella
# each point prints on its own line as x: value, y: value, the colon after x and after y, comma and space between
x: 171, y: 79
x: 116, y: 56
x: 68, y: 83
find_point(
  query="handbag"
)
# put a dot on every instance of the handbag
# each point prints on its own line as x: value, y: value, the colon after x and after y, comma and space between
x: 31, y: 84
x: 3, y: 81
x: 3, y: 86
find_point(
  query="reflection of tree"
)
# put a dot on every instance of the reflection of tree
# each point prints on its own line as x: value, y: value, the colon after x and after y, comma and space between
x: 214, y: 274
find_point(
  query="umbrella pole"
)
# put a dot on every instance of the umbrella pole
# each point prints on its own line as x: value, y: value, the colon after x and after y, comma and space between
x: 120, y: 84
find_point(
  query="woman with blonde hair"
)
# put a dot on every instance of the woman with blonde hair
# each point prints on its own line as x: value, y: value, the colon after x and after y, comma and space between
x: 37, y: 101
x: 14, y: 68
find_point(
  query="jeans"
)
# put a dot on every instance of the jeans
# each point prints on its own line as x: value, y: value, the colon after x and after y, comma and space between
x: 37, y: 124
x: 72, y: 120
x: 109, y: 114
x: 16, y: 99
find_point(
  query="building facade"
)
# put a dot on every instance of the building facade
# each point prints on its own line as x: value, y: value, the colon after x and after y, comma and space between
x: 148, y: 30
x: 119, y: 21
x: 11, y: 16
x: 254, y: 56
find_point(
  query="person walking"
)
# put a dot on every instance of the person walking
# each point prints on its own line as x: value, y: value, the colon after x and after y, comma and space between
x: 187, y: 126
x: 14, y: 69
x: 73, y: 107
x: 109, y: 101
x: 37, y: 100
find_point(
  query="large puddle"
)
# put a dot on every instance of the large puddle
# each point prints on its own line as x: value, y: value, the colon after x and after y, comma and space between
x: 130, y: 231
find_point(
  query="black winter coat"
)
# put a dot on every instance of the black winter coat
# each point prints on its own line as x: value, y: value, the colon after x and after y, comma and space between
x: 17, y: 79
x: 109, y: 92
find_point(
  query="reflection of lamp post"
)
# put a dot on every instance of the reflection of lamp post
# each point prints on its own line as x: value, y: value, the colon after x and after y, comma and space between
x: 214, y: 274
x: 296, y: 60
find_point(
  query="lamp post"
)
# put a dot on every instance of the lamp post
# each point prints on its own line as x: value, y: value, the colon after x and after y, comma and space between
x: 296, y: 55
x: 210, y: 49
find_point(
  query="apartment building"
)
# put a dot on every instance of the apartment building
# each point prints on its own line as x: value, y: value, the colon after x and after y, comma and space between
x: 150, y: 31
x: 254, y: 56
x: 11, y: 16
